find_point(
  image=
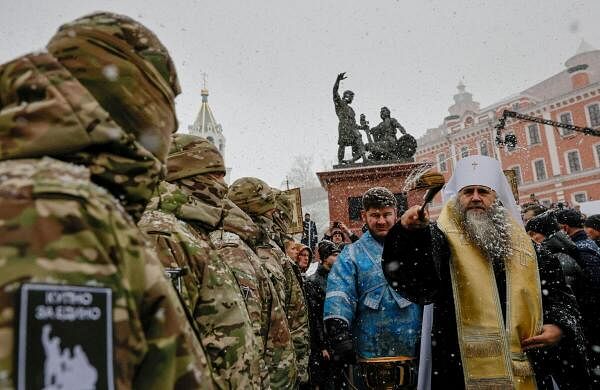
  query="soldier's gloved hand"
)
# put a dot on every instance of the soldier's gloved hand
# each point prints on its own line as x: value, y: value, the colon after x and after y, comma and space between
x: 341, y: 342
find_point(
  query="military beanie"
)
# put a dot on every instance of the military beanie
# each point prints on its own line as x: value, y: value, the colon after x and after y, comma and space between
x: 126, y: 34
x: 593, y: 221
x: 191, y: 155
x: 127, y: 70
x: 252, y: 195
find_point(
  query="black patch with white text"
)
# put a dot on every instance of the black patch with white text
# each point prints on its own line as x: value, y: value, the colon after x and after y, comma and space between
x: 65, y: 337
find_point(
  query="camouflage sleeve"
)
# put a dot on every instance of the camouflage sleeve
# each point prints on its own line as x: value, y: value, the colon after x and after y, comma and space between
x: 213, y: 298
x: 227, y: 332
x: 249, y: 283
x: 171, y: 343
x: 279, y: 349
x: 280, y: 354
x: 297, y: 315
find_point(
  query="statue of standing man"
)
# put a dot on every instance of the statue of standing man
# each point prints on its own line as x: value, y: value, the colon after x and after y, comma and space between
x: 348, y: 134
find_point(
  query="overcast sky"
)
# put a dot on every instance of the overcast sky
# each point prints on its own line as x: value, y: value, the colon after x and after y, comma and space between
x: 271, y: 64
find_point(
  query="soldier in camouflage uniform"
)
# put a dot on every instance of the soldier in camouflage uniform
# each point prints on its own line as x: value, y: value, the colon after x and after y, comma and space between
x: 282, y: 218
x: 234, y: 239
x: 78, y: 142
x: 200, y: 158
x: 258, y: 200
x: 179, y: 219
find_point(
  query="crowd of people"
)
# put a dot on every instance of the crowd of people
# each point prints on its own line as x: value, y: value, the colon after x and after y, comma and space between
x: 205, y: 288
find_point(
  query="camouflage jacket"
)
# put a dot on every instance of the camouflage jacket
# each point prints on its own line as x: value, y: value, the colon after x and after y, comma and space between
x: 282, y: 271
x: 264, y: 306
x: 56, y: 227
x: 210, y: 291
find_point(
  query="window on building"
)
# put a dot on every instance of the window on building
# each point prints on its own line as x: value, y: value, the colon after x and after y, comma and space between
x: 510, y: 147
x: 598, y: 153
x: 517, y: 170
x: 594, y: 112
x: 580, y: 197
x: 534, y: 134
x: 442, y: 162
x: 566, y: 117
x: 483, y: 148
x: 210, y: 139
x: 574, y: 161
x: 464, y: 152
x: 540, y: 170
x: 515, y: 106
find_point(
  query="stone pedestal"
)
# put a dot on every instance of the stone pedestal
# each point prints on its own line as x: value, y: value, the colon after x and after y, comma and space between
x: 345, y: 187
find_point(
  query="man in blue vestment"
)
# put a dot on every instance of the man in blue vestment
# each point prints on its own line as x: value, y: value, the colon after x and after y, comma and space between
x: 367, y: 322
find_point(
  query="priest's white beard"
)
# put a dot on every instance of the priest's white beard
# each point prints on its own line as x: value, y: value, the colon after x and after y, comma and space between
x: 488, y: 230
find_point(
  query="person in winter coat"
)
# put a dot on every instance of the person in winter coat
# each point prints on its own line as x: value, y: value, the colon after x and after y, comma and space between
x: 315, y: 287
x: 545, y: 231
x: 592, y: 228
x: 492, y: 318
x: 571, y: 222
x: 304, y: 258
x: 339, y: 234
x: 309, y: 232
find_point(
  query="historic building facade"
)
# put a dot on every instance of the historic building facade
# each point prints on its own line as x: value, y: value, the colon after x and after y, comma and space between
x: 553, y: 164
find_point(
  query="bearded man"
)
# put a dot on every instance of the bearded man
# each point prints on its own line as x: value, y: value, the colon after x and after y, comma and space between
x: 499, y: 307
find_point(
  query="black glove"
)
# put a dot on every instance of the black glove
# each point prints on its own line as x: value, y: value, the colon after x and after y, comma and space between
x: 340, y: 340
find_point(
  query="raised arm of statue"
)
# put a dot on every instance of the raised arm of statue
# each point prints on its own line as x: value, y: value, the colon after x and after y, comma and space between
x: 336, y: 86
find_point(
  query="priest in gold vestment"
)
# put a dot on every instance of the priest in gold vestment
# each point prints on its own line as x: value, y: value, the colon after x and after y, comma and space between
x: 503, y: 317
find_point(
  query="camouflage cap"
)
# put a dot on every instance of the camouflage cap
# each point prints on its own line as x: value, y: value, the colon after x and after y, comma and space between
x: 127, y: 70
x: 252, y: 195
x: 191, y: 155
x: 131, y: 33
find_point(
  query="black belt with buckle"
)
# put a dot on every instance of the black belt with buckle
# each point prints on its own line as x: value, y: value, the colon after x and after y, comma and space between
x: 389, y: 373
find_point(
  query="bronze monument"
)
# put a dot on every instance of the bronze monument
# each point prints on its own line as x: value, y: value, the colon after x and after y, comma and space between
x: 383, y: 145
